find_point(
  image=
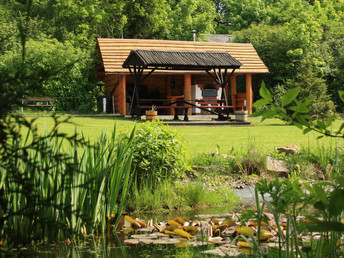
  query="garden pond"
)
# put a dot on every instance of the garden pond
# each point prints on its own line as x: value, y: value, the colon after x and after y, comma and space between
x: 212, y: 232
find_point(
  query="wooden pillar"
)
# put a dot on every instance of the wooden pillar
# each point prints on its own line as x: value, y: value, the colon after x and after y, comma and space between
x: 249, y: 94
x: 187, y: 90
x: 123, y: 95
x: 169, y: 93
x: 233, y: 91
x: 168, y: 87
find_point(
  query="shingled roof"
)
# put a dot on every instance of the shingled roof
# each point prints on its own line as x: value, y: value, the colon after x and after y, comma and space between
x: 180, y: 60
x: 115, y: 51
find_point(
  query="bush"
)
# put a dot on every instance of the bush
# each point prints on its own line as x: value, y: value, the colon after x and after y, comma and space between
x: 158, y: 152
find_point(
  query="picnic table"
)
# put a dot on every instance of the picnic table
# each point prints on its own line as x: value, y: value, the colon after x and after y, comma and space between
x: 216, y: 107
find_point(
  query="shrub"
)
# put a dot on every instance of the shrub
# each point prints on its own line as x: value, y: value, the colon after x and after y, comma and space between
x: 158, y: 152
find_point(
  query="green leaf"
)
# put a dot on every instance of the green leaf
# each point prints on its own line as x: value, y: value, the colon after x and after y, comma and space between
x: 340, y: 180
x: 320, y: 124
x: 336, y: 203
x: 298, y: 125
x: 307, y: 130
x: 326, y: 226
x: 330, y: 121
x: 321, y: 194
x: 340, y: 129
x: 265, y: 93
x: 289, y: 96
x: 268, y: 114
x: 294, y: 108
x: 261, y: 103
x: 258, y: 113
x: 341, y: 95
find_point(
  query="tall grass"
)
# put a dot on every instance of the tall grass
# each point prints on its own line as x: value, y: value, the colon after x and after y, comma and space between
x: 179, y: 196
x: 48, y: 194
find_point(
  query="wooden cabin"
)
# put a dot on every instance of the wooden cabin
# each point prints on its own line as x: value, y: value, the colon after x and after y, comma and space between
x: 173, y: 84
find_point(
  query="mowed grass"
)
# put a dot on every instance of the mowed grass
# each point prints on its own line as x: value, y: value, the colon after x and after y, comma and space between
x: 262, y: 136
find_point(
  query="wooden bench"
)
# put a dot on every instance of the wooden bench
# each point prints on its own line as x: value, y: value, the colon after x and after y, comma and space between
x: 36, y: 102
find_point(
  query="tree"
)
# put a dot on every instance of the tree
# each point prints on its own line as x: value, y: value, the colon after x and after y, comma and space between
x: 146, y: 18
x: 73, y: 88
x: 314, y: 88
x: 237, y: 15
x: 188, y: 15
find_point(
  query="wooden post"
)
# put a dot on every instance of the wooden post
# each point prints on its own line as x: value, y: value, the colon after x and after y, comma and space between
x: 123, y: 95
x: 233, y: 91
x: 187, y: 90
x: 169, y: 93
x: 249, y: 94
x: 168, y: 87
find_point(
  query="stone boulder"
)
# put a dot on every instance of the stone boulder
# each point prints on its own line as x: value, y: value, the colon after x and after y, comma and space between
x: 277, y: 166
x: 289, y: 150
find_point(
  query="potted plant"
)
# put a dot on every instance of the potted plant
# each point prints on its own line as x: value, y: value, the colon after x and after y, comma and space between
x: 152, y: 114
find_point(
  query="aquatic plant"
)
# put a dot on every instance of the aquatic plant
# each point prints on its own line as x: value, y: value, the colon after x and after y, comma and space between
x: 51, y: 194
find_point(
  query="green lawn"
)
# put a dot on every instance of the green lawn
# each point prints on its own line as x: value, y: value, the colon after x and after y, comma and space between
x: 262, y: 137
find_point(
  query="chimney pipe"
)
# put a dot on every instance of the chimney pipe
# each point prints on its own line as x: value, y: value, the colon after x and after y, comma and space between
x: 194, y: 35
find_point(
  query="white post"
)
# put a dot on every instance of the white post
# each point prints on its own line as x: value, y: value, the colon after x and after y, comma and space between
x: 104, y: 105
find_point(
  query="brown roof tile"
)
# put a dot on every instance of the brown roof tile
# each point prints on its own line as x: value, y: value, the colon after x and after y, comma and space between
x: 115, y: 51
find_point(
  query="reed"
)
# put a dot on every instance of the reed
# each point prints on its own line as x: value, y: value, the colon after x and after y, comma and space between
x: 50, y: 194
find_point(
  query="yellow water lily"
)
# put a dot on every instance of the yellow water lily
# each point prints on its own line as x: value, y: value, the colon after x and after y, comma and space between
x: 245, y: 230
x: 183, y: 233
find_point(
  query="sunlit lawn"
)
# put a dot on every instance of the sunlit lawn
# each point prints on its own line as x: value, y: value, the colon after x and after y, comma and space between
x: 263, y: 136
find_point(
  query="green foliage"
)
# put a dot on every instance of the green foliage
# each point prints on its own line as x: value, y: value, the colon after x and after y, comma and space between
x: 314, y: 88
x: 299, y: 42
x: 158, y: 152
x: 73, y: 89
x: 47, y: 193
x: 215, y: 163
x: 145, y: 199
x: 192, y: 193
x: 170, y: 196
x: 326, y: 197
x: 297, y: 112
x: 239, y: 15
x: 188, y: 15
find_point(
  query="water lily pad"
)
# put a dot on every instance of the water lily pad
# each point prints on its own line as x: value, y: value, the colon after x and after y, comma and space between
x: 167, y: 241
x: 132, y: 241
x: 158, y: 234
x: 149, y: 236
x: 215, y: 251
x: 181, y: 243
x: 147, y: 241
x: 214, y: 240
x: 197, y: 243
x: 149, y: 229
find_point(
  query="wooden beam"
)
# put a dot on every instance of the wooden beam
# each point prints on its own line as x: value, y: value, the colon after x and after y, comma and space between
x: 249, y: 94
x: 187, y: 89
x: 123, y: 95
x: 233, y: 91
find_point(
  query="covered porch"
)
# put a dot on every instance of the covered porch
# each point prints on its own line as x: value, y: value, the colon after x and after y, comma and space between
x: 166, y: 85
x: 163, y: 89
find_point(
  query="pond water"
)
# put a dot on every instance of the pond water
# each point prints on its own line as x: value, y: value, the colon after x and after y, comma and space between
x: 115, y: 247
